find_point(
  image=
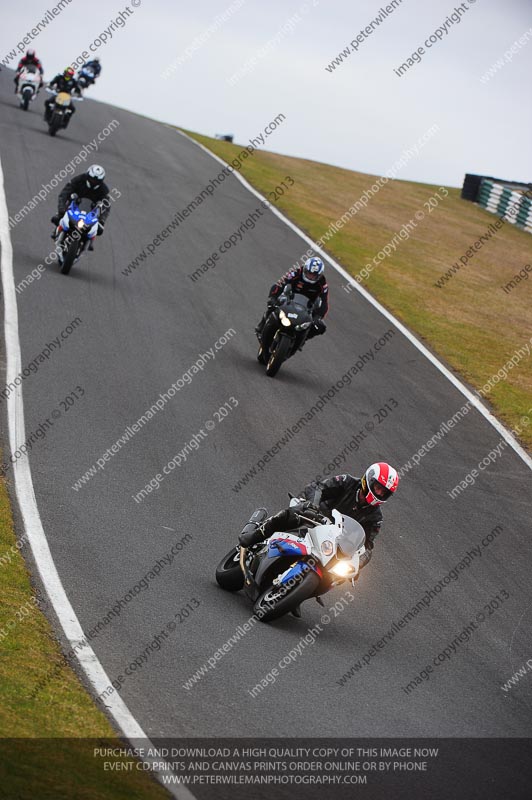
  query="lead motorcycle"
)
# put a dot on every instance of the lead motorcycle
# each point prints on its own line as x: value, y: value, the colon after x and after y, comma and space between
x: 29, y: 83
x: 289, y: 568
x: 285, y: 329
x: 76, y: 230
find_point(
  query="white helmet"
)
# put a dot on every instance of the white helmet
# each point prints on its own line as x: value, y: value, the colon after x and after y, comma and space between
x: 95, y: 176
x: 313, y: 269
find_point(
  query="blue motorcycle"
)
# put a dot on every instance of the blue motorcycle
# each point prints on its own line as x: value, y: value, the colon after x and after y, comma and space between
x: 86, y: 77
x: 75, y: 232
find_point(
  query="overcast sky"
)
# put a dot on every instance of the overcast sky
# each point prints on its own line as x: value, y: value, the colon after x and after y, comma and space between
x: 361, y: 115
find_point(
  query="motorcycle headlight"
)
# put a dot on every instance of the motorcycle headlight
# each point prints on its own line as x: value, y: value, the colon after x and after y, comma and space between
x: 81, y: 224
x: 327, y: 547
x: 284, y: 319
x: 303, y: 326
x: 342, y: 569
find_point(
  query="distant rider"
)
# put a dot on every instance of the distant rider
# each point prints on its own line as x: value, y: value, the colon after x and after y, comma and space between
x: 358, y: 498
x: 95, y: 68
x: 30, y: 59
x: 63, y: 82
x: 91, y: 185
x: 308, y: 280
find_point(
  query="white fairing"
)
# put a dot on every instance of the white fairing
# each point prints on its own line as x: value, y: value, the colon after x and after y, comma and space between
x: 28, y: 78
x: 322, y: 541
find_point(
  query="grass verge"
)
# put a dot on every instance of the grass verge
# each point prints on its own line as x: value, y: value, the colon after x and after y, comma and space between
x: 32, y: 764
x: 470, y: 321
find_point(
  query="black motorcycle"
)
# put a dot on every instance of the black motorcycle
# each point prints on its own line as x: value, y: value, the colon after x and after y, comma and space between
x: 286, y: 329
x: 58, y: 115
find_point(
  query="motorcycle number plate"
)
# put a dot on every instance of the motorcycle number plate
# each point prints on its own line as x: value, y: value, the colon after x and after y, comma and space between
x: 292, y: 316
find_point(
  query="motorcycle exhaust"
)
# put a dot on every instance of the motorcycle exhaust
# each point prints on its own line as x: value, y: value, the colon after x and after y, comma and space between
x: 243, y: 552
x: 255, y: 521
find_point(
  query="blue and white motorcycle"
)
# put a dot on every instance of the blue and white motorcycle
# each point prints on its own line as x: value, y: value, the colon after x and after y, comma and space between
x: 75, y: 232
x: 85, y: 77
x: 289, y: 568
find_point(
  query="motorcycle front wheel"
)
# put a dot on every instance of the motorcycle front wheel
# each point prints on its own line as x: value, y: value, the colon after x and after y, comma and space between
x: 54, y: 125
x: 279, y: 354
x: 70, y: 252
x: 277, y: 601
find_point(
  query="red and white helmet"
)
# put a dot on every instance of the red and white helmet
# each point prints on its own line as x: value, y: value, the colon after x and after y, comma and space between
x: 379, y: 482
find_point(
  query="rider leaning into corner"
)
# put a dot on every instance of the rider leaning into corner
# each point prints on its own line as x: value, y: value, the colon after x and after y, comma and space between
x: 308, y: 280
x: 91, y: 185
x: 359, y: 498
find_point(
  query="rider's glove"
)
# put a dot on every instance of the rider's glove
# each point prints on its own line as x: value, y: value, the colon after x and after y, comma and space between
x: 306, y: 506
x: 319, y: 326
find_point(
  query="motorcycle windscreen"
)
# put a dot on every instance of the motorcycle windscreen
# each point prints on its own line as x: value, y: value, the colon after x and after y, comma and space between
x: 301, y: 300
x: 63, y: 99
x: 85, y: 204
x: 352, y: 537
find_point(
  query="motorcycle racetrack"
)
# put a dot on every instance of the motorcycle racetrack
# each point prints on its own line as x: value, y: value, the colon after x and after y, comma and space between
x: 126, y: 342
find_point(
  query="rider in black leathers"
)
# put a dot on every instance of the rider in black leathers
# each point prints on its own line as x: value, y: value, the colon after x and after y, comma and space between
x: 91, y: 185
x: 310, y: 281
x: 358, y: 498
x: 63, y: 82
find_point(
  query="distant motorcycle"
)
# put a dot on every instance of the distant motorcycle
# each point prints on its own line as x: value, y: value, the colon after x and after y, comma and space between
x: 285, y: 329
x: 29, y: 83
x: 58, y: 116
x: 75, y: 231
x: 85, y: 77
x: 289, y: 568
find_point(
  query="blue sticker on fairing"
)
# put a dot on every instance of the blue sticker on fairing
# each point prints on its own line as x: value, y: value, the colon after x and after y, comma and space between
x: 284, y: 547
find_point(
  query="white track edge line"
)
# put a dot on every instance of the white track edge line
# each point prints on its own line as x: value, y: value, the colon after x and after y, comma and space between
x: 473, y: 399
x: 86, y: 656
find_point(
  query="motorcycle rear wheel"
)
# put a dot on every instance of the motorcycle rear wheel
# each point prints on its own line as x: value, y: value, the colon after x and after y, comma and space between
x: 276, y: 601
x: 228, y: 573
x: 261, y: 355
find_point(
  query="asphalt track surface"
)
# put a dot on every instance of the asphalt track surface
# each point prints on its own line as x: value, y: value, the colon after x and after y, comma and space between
x: 138, y: 335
